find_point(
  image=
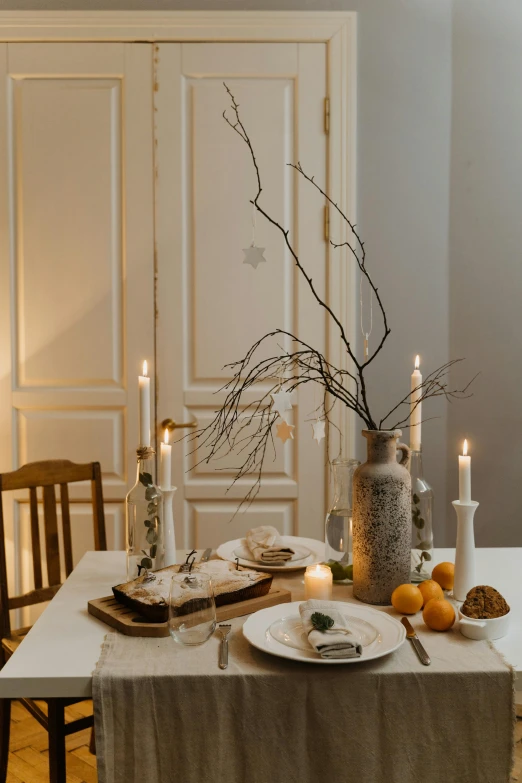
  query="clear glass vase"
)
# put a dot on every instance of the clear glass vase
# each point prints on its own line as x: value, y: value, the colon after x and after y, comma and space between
x: 338, y: 525
x: 144, y: 516
x: 421, y: 521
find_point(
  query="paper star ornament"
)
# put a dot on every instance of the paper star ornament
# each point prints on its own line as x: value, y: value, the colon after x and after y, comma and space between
x: 285, y: 431
x: 282, y: 402
x: 319, y: 429
x: 253, y: 255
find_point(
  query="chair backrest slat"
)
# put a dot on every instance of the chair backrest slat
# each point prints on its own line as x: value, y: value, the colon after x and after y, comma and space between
x: 52, y: 543
x: 66, y: 528
x: 100, y: 535
x: 47, y: 475
x: 33, y: 597
x: 35, y: 539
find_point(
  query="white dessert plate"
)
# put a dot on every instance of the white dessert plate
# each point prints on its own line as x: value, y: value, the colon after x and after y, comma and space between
x: 308, y: 551
x: 262, y: 627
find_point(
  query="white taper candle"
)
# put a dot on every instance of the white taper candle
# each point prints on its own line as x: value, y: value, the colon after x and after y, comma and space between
x: 144, y: 406
x: 416, y: 408
x: 465, y: 475
x: 165, y: 463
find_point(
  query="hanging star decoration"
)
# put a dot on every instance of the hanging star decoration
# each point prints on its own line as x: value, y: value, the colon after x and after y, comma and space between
x: 282, y: 402
x: 253, y: 255
x: 319, y: 429
x: 285, y: 431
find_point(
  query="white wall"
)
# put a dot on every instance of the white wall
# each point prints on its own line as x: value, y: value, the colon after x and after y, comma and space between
x: 486, y: 255
x: 405, y: 134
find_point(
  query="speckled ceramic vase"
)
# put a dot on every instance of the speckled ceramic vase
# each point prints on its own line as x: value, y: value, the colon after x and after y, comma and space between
x: 381, y: 519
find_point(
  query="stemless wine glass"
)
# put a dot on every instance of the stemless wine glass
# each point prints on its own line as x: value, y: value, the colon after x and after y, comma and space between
x: 192, y: 608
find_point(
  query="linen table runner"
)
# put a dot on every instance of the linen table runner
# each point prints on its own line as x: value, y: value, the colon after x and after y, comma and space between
x: 167, y: 713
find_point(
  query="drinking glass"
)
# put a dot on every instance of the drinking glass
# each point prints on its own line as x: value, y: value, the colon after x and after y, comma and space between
x: 192, y: 608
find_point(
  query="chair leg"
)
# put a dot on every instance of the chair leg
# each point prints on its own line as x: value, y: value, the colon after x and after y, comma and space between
x: 56, y: 722
x: 5, y: 726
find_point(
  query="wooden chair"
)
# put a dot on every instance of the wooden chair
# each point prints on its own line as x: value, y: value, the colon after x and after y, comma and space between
x: 32, y: 476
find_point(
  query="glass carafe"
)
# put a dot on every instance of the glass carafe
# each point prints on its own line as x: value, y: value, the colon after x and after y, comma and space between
x: 143, y: 516
x: 338, y: 525
x: 421, y: 521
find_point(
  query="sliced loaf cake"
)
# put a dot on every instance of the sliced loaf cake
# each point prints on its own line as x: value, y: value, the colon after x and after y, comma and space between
x: 149, y: 594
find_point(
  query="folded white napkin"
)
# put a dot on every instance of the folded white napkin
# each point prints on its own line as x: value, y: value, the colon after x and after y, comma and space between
x: 336, y: 642
x: 266, y: 545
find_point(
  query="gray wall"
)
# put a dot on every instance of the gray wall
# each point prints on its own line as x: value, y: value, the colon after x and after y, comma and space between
x: 486, y: 255
x: 439, y: 195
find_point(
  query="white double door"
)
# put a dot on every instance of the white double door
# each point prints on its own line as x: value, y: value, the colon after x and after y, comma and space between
x: 124, y: 209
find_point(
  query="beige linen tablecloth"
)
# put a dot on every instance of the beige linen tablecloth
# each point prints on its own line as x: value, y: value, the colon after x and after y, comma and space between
x: 167, y: 713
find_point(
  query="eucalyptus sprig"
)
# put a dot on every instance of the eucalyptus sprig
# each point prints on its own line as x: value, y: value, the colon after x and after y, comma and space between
x: 419, y: 523
x: 151, y: 523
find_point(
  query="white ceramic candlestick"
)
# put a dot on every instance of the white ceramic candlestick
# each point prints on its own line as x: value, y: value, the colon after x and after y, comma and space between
x: 169, y: 534
x: 465, y: 551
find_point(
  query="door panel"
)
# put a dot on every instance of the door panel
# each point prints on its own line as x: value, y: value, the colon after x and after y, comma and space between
x: 76, y: 272
x: 211, y: 306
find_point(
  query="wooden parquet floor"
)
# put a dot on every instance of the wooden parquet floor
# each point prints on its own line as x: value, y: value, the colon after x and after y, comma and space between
x: 29, y: 749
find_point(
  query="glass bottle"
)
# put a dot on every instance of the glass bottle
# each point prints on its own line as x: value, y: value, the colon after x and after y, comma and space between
x: 143, y: 516
x: 338, y: 525
x: 421, y: 521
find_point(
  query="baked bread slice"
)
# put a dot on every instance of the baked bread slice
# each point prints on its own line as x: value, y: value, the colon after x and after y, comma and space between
x: 149, y: 594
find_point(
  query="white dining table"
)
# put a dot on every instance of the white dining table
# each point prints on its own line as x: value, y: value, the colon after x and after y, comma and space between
x: 59, y: 654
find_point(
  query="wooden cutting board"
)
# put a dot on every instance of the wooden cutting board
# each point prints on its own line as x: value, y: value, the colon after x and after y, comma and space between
x: 130, y: 623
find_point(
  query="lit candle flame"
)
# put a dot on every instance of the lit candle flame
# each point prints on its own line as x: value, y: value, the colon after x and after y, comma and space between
x: 166, y: 437
x: 417, y: 362
x: 318, y: 569
x: 465, y: 448
x: 144, y: 368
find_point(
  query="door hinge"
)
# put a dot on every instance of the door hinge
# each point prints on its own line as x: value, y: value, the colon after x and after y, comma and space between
x: 326, y: 223
x: 327, y: 115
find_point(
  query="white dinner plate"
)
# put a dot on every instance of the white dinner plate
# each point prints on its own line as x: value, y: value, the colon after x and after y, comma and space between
x: 308, y: 551
x: 261, y: 630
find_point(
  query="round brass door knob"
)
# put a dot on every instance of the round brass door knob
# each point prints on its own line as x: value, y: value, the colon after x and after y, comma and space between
x: 170, y: 424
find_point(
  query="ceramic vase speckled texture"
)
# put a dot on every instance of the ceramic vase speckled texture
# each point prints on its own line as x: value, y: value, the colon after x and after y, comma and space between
x: 381, y: 519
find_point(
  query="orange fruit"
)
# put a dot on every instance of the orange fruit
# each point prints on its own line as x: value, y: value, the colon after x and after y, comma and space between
x: 439, y: 615
x: 430, y: 589
x: 444, y: 574
x: 407, y: 599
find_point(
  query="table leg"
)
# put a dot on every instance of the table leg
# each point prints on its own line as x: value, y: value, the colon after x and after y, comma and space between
x: 56, y: 740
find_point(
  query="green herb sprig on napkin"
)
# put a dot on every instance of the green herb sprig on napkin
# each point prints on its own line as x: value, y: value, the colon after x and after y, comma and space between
x: 321, y: 622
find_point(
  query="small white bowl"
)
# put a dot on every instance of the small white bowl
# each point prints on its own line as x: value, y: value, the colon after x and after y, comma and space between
x: 494, y: 628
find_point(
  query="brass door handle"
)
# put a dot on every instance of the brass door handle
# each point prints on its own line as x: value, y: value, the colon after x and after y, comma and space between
x: 170, y: 425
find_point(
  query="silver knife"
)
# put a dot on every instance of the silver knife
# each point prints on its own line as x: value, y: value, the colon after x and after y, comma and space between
x: 206, y: 555
x: 414, y: 639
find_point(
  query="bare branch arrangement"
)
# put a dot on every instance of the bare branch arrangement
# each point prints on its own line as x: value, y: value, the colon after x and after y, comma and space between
x: 246, y: 429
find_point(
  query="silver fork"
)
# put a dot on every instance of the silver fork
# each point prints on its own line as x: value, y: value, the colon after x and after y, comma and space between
x: 223, y: 649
